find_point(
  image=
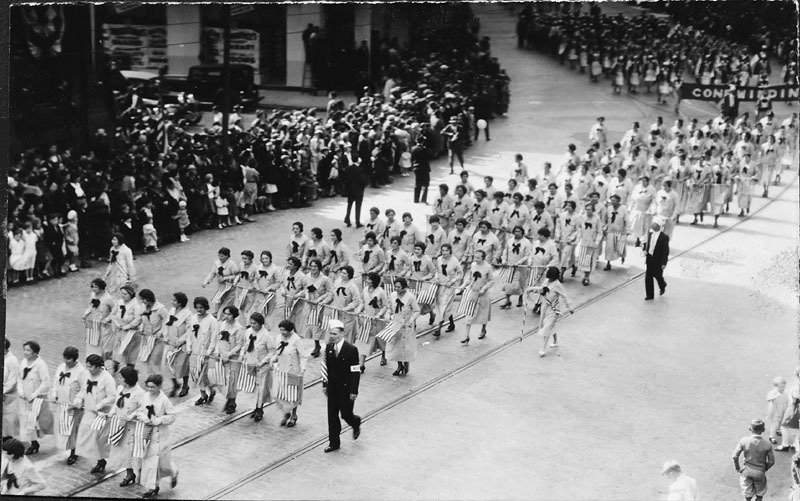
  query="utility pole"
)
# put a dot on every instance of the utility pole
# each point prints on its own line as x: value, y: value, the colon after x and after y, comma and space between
x: 226, y: 81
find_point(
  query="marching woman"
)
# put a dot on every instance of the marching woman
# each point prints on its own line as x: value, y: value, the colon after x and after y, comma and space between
x: 460, y: 240
x: 699, y: 188
x: 543, y: 255
x: 176, y: 356
x: 372, y: 256
x: 100, y: 308
x: 555, y: 301
x: 34, y: 384
x: 266, y: 283
x: 398, y: 261
x: 485, y: 240
x: 226, y: 345
x: 11, y: 401
x: 289, y: 362
x: 203, y: 329
x: 340, y: 254
x: 317, y: 248
x: 449, y: 275
x: 567, y: 237
x: 616, y: 231
x: 719, y: 190
x: 590, y: 231
x: 374, y: 302
x: 298, y: 242
x: 224, y: 273
x: 126, y: 320
x: 66, y: 386
x: 294, y: 283
x: 409, y: 233
x: 319, y: 291
x: 20, y: 476
x: 244, y: 283
x: 375, y: 224
x: 402, y: 347
x: 97, y: 395
x: 256, y: 359
x: 120, y: 270
x: 477, y: 283
x: 516, y: 258
x: 128, y: 400
x: 422, y: 273
x: 640, y: 216
x: 769, y: 163
x: 156, y: 411
x: 154, y: 314
x: 347, y: 297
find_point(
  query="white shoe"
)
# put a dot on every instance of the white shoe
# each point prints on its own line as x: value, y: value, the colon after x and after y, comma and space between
x: 541, y: 353
x: 554, y: 345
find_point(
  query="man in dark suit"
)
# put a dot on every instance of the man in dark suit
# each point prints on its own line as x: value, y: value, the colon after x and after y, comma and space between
x: 354, y: 184
x: 340, y: 378
x: 421, y: 163
x: 54, y: 240
x: 656, y: 252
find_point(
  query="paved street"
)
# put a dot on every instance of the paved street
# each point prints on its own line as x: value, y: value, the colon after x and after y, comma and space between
x: 633, y: 385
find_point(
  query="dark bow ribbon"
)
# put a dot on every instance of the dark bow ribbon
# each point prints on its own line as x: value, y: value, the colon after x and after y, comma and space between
x: 95, y: 303
x: 515, y: 213
x: 439, y: 203
x: 417, y: 265
x: 281, y: 346
x: 370, y: 225
x: 244, y: 275
x: 225, y: 336
x: 63, y: 376
x: 587, y: 226
x: 114, y: 255
x: 537, y: 218
x: 122, y: 310
x: 719, y: 177
x: 262, y: 273
x: 290, y: 283
x: 251, y: 344
x: 549, y: 199
x: 335, y: 256
x: 391, y: 262
x: 545, y: 290
x: 147, y: 314
x: 121, y: 399
x: 403, y: 235
x: 457, y: 204
x: 528, y: 198
x: 613, y: 216
x: 538, y: 250
x: 151, y: 410
x: 11, y: 481
x: 496, y: 209
x: 374, y: 303
x: 220, y: 270
x: 444, y: 269
x: 515, y: 248
x: 196, y: 329
x: 312, y: 252
x: 476, y: 275
x: 386, y: 232
x: 25, y: 372
x: 90, y: 385
x: 398, y: 306
x: 456, y: 239
x: 172, y: 320
x: 431, y: 238
x: 340, y: 291
x: 366, y: 257
x: 481, y: 241
x: 311, y: 288
x: 567, y: 221
x: 295, y: 247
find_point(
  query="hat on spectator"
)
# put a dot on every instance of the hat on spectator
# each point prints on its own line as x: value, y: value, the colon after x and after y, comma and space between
x: 72, y: 215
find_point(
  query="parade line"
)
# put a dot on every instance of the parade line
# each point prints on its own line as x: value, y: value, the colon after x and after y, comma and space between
x: 319, y: 441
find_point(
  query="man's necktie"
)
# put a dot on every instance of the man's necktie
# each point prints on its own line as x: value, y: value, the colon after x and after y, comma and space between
x: 496, y: 209
x: 403, y: 235
x: 439, y: 203
x: 367, y: 255
x: 340, y: 291
x: 370, y: 226
x: 335, y: 256
x: 515, y: 248
x: 281, y: 347
x: 251, y: 344
x: 457, y: 204
x: 290, y: 283
x: 245, y: 275
x: 391, y: 263
x: 417, y: 265
x: 613, y: 216
x: 114, y: 255
x: 63, y: 376
x: 90, y: 385
x: 537, y: 218
x: 121, y: 399
x: 147, y: 314
x: 444, y: 269
x: 398, y: 306
x: 386, y: 232
x: 549, y: 199
x: 225, y: 336
x: 25, y: 372
x: 262, y: 273
x: 11, y: 481
x: 311, y: 288
x: 151, y: 410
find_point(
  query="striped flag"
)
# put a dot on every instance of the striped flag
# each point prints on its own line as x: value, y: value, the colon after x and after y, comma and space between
x: 246, y: 381
x: 241, y: 295
x: 323, y: 370
x: 194, y: 372
x: 36, y: 408
x: 506, y: 274
x: 619, y: 242
x: 334, y: 315
x: 390, y: 331
x: 536, y: 274
x: 93, y: 332
x: 466, y: 307
x: 216, y: 373
x: 365, y: 329
x: 584, y: 259
x: 427, y: 293
x: 388, y: 284
x: 313, y: 315
x: 142, y: 433
x: 123, y: 345
x: 289, y: 307
x: 288, y: 386
x: 116, y: 428
x: 171, y: 356
x: 148, y: 342
x: 99, y: 422
x: 267, y: 299
x: 65, y: 419
x: 217, y: 298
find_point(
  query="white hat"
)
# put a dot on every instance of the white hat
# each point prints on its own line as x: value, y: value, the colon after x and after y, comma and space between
x: 671, y: 465
x: 72, y: 215
x: 335, y: 324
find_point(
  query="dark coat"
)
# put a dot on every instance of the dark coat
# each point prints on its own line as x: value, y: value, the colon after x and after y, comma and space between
x: 660, y: 252
x: 353, y: 181
x: 344, y: 371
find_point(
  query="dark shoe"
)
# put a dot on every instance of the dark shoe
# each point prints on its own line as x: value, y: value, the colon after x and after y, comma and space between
x: 231, y: 408
x: 585, y: 281
x: 100, y: 467
x: 452, y: 326
x: 405, y: 368
x: 465, y: 342
x: 537, y: 308
x: 331, y: 448
x: 505, y: 305
x: 438, y: 332
x: 174, y: 480
x: 650, y: 298
x: 363, y: 368
x: 662, y: 290
x: 519, y: 303
x: 608, y: 267
x: 253, y: 414
x: 128, y: 481
x: 291, y: 422
x: 285, y: 419
x: 315, y: 353
x: 174, y: 391
x: 72, y: 459
x: 211, y: 397
x: 33, y: 449
x: 398, y: 371
x: 356, y: 432
x: 432, y: 319
x: 259, y: 415
x: 359, y: 225
x: 483, y: 333
x: 383, y: 361
x: 347, y: 223
x: 151, y: 493
x: 574, y: 271
x: 184, y: 391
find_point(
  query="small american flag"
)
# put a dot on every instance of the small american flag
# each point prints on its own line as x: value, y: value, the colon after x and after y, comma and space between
x: 194, y: 372
x: 390, y: 331
x: 246, y: 381
x: 313, y: 315
x: 148, y: 342
x: 220, y: 293
x: 171, y: 356
x: 36, y: 408
x: 216, y: 373
x: 289, y: 307
x: 241, y: 295
x: 267, y: 299
x: 99, y: 422
x: 323, y: 370
x: 388, y: 284
x: 466, y: 307
x: 427, y: 293
x: 536, y: 274
x: 365, y: 329
x: 334, y: 315
x: 585, y: 254
x: 123, y: 345
x: 142, y: 433
x: 506, y: 274
x: 619, y: 242
x: 65, y: 419
x: 288, y: 386
x: 93, y: 332
x: 116, y: 428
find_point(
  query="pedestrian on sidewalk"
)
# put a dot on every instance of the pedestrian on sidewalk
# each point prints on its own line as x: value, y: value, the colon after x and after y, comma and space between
x: 758, y: 458
x: 656, y: 252
x: 341, y: 376
x: 552, y: 294
x: 354, y: 185
x: 421, y: 164
x: 777, y: 402
x: 791, y: 418
x: 682, y: 487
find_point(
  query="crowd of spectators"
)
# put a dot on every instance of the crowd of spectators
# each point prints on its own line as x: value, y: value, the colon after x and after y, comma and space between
x: 64, y: 205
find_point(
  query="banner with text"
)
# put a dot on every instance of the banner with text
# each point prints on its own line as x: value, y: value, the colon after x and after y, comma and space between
x: 717, y: 92
x: 145, y: 47
x: 244, y: 48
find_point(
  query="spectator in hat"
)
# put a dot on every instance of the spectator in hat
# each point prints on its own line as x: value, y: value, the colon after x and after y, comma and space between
x: 758, y: 458
x: 681, y: 486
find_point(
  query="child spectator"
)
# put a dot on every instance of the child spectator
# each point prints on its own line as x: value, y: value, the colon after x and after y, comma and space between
x: 183, y: 220
x: 223, y: 217
x: 149, y: 236
x: 71, y: 240
x: 758, y: 458
x: 777, y: 403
